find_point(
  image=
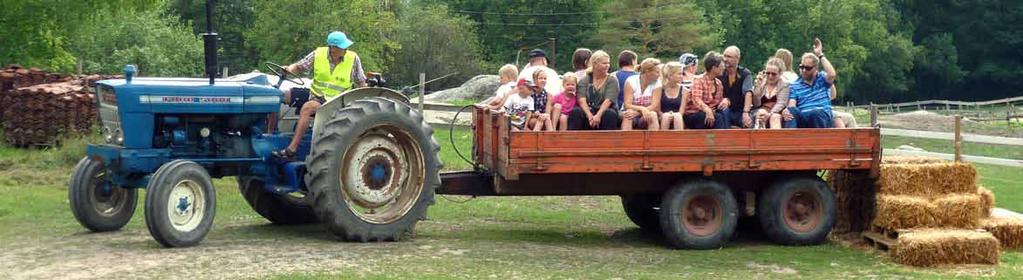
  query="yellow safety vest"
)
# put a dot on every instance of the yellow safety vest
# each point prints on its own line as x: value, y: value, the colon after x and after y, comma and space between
x: 330, y: 84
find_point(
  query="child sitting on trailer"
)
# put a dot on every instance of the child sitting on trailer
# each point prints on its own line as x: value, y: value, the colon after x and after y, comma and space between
x: 519, y: 107
x: 562, y: 104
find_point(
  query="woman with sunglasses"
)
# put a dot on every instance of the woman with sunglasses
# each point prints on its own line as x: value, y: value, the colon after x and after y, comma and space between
x: 770, y: 94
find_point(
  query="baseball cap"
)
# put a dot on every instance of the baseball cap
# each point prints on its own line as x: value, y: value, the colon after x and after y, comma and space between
x: 688, y: 59
x: 537, y: 53
x: 525, y: 82
x: 339, y: 39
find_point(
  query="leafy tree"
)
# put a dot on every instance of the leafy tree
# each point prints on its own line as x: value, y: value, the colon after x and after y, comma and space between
x: 509, y: 29
x: 233, y: 18
x: 156, y: 42
x: 37, y: 33
x: 287, y: 30
x: 656, y: 28
x: 435, y: 42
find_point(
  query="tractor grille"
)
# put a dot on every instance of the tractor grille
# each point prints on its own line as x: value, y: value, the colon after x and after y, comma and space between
x: 112, y: 133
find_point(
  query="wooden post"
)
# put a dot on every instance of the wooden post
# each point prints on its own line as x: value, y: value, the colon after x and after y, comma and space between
x: 873, y: 115
x: 958, y: 140
x: 422, y: 92
x: 225, y: 72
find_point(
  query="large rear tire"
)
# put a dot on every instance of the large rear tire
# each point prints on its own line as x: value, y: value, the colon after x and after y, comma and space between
x: 643, y: 210
x: 698, y: 214
x: 278, y: 209
x: 797, y: 211
x: 373, y: 170
x: 96, y: 204
x: 180, y: 204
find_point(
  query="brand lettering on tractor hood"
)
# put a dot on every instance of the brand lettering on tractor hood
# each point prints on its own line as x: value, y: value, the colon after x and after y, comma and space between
x: 154, y: 99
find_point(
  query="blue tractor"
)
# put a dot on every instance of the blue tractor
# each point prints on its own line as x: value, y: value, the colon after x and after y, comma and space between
x: 368, y: 168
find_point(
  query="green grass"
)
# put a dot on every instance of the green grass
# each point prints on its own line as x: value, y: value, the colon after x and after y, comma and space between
x: 488, y: 237
x: 462, y: 102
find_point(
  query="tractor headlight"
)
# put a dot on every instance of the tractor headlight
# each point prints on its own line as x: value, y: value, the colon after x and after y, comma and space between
x: 108, y: 136
x: 120, y: 137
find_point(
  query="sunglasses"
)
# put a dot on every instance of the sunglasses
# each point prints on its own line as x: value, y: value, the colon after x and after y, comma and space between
x: 806, y: 68
x: 772, y: 74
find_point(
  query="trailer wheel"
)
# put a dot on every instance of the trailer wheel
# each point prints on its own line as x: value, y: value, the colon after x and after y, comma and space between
x: 278, y: 209
x: 797, y: 211
x: 373, y: 170
x: 96, y: 204
x: 180, y: 204
x: 642, y: 210
x: 698, y: 214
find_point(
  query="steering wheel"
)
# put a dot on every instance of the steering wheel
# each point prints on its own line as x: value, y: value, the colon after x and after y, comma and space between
x: 282, y: 74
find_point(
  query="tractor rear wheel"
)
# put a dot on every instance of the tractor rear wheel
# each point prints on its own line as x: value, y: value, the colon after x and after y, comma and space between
x: 278, y: 209
x: 373, y: 170
x: 698, y: 214
x: 643, y: 210
x: 98, y: 205
x: 180, y: 204
x: 797, y: 211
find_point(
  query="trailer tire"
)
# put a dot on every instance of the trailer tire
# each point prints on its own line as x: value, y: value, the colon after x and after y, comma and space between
x: 373, y: 170
x: 643, y: 210
x: 96, y: 206
x: 797, y: 211
x: 278, y: 209
x: 185, y: 186
x: 698, y: 214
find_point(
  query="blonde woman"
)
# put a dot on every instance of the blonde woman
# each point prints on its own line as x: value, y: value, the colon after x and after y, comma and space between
x: 641, y: 100
x: 770, y: 95
x: 673, y: 95
x: 598, y: 92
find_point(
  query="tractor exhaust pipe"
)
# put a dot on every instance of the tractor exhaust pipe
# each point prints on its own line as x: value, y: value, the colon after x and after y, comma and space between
x: 210, y: 43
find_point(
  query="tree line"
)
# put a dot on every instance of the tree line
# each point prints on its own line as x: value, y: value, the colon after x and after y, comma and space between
x: 885, y: 50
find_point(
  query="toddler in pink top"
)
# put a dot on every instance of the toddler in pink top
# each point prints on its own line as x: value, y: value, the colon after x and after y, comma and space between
x: 564, y: 103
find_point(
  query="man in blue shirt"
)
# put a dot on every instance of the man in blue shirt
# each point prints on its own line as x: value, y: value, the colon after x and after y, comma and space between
x: 811, y: 94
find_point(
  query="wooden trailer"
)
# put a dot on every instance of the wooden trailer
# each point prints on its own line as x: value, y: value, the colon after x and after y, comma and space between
x: 691, y: 185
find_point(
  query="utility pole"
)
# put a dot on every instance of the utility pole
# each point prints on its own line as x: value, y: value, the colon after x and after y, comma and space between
x: 552, y: 43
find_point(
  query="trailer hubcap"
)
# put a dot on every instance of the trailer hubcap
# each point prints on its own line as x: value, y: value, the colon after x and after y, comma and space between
x: 802, y: 211
x: 382, y: 175
x: 107, y: 199
x: 701, y: 215
x: 186, y: 205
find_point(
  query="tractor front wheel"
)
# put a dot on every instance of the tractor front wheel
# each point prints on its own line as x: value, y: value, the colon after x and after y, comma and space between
x: 373, y: 170
x: 96, y: 203
x: 180, y: 204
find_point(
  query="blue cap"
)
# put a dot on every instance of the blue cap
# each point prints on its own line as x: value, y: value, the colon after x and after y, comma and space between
x: 338, y: 39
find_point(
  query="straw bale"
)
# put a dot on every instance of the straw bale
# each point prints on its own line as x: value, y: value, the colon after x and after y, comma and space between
x: 911, y: 160
x: 1008, y: 230
x: 855, y: 195
x: 927, y: 179
x: 940, y: 247
x: 903, y: 212
x: 958, y: 211
x: 987, y: 201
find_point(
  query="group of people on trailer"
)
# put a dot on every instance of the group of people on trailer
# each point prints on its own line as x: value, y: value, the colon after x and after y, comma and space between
x: 670, y: 96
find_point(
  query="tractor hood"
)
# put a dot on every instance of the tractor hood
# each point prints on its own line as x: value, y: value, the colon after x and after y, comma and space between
x: 249, y: 93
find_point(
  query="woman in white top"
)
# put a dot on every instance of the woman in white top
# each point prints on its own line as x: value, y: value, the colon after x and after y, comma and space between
x: 642, y: 102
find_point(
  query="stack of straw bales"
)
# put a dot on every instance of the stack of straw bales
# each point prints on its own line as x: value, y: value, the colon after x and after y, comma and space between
x: 943, y: 206
x: 854, y: 200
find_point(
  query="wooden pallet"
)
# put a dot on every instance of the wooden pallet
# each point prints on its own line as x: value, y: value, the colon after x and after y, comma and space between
x: 880, y: 238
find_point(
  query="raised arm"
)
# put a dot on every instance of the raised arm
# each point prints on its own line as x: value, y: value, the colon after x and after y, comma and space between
x: 818, y: 49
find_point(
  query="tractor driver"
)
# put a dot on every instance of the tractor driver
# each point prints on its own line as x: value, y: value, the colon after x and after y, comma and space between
x: 335, y: 70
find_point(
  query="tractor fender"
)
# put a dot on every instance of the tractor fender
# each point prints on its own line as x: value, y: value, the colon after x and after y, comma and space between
x: 326, y: 111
